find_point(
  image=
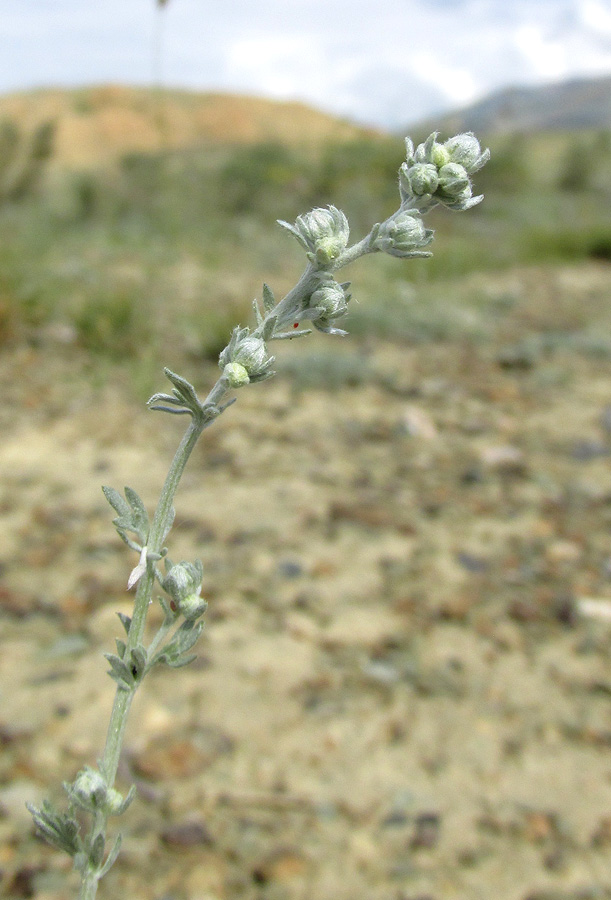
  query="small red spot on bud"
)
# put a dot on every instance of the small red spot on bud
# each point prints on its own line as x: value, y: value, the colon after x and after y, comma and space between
x: 295, y: 324
x: 173, y: 606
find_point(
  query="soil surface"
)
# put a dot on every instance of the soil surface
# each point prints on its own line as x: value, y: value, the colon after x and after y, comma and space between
x: 403, y: 691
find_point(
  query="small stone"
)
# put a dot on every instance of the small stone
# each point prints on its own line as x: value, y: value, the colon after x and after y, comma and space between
x: 563, y: 551
x: 540, y: 826
x: 426, y: 833
x: 472, y: 563
x: 587, y: 450
x: 192, y: 833
x: 504, y: 459
x: 416, y: 423
x: 519, y: 357
x: 282, y: 865
x: 290, y: 568
x: 395, y: 819
x: 380, y: 672
x: 525, y: 610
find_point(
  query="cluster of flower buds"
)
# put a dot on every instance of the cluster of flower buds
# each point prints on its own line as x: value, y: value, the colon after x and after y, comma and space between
x: 183, y: 582
x: 402, y: 235
x: 323, y: 233
x: 245, y: 359
x: 441, y: 173
x: 90, y: 792
x: 328, y: 302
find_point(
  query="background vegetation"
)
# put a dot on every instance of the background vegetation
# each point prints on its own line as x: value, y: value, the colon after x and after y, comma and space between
x: 173, y: 244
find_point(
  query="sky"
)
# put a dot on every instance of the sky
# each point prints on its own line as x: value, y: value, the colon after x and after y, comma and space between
x: 381, y: 62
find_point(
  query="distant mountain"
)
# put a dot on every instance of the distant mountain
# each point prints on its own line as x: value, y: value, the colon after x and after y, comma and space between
x: 566, y: 106
x: 97, y: 125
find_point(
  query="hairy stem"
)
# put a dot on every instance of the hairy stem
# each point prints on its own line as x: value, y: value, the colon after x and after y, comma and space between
x: 123, y: 698
x: 284, y: 311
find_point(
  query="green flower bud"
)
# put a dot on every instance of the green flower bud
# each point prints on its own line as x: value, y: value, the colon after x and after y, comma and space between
x: 439, y: 155
x: 250, y: 353
x: 245, y: 353
x: 114, y: 802
x: 403, y: 235
x: 193, y: 606
x: 322, y: 232
x: 89, y: 790
x: 183, y: 583
x: 465, y: 150
x: 454, y: 161
x: 453, y: 179
x: 236, y: 375
x: 328, y: 302
x: 455, y: 190
x: 419, y: 179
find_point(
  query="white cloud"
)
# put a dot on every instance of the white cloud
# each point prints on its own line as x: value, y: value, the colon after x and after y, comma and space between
x: 596, y: 16
x: 390, y: 62
x: 453, y: 80
x: 545, y: 57
x: 268, y: 65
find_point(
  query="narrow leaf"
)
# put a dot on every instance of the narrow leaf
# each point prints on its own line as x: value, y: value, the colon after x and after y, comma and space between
x: 269, y: 301
x: 119, y: 669
x: 112, y: 856
x: 181, y: 661
x: 139, y: 514
x: 138, y: 658
x: 116, y: 501
x: 125, y: 621
x: 268, y: 328
x: 289, y: 335
x: 96, y: 852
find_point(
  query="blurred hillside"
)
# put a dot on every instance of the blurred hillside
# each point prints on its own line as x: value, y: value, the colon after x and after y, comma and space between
x: 97, y: 125
x: 580, y: 104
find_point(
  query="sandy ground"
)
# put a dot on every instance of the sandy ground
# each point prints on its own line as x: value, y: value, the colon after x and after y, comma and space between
x: 403, y: 691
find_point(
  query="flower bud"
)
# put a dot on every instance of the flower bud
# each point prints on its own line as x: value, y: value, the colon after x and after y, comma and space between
x: 330, y: 299
x: 114, y: 802
x: 419, y: 179
x: 403, y: 235
x: 455, y: 190
x: 250, y: 353
x: 453, y: 179
x: 183, y: 583
x: 245, y: 358
x: 89, y: 790
x: 327, y: 303
x: 322, y: 232
x: 236, y: 375
x: 453, y: 162
x: 439, y: 155
x: 465, y: 150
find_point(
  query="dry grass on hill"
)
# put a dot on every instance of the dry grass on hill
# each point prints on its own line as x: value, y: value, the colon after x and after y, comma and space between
x: 99, y: 124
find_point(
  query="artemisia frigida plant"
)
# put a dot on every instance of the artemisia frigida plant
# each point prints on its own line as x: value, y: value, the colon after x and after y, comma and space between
x: 434, y: 173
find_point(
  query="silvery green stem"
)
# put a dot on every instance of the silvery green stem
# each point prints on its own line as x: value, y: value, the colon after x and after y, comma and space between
x: 353, y: 253
x: 89, y: 885
x: 123, y: 698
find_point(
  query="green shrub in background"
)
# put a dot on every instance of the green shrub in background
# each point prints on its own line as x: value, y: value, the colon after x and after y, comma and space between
x: 23, y: 158
x: 206, y: 208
